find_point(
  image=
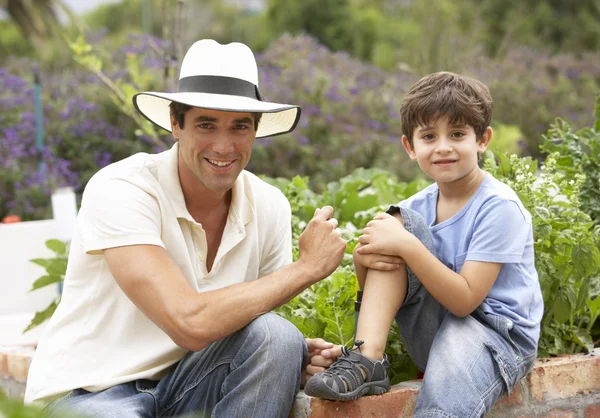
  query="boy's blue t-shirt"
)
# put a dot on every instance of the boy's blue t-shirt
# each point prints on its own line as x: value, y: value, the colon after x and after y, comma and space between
x: 493, y: 226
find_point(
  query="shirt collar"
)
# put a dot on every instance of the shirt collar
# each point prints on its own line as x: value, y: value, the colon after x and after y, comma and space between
x: 241, y: 210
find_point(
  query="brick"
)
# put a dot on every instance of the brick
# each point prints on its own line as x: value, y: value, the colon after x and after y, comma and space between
x: 592, y: 411
x: 555, y: 413
x: 18, y: 365
x: 560, y: 413
x: 399, y: 402
x: 563, y: 377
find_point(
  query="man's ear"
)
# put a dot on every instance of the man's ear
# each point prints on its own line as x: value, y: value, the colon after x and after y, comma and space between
x: 484, y: 142
x: 409, y: 148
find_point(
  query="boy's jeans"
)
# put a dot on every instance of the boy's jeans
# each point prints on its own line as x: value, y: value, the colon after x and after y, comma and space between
x: 470, y: 362
x: 252, y: 373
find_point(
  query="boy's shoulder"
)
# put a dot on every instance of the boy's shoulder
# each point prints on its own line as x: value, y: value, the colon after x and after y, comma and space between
x: 420, y: 198
x: 500, y: 195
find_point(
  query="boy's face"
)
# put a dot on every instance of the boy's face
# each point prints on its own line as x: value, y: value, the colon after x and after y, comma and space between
x: 446, y: 152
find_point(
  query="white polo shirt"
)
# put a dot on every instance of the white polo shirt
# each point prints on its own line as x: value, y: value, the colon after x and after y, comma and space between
x: 98, y: 338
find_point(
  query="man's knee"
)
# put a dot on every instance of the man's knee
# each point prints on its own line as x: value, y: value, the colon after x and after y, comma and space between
x: 278, y: 335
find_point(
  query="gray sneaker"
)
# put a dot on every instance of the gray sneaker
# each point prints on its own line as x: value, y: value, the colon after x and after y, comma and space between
x: 344, y: 380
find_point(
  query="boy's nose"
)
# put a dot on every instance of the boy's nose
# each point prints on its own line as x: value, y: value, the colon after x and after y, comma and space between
x: 444, y: 148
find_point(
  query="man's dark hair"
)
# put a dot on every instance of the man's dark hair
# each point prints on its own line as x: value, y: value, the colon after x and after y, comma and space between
x: 464, y: 100
x: 178, y: 111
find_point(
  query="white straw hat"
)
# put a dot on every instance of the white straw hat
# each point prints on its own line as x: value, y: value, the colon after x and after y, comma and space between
x: 219, y: 77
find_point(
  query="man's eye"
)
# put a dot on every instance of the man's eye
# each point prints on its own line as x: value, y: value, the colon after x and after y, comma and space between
x: 204, y: 126
x: 241, y: 127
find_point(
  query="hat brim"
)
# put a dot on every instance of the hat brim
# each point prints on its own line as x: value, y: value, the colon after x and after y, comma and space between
x: 277, y: 118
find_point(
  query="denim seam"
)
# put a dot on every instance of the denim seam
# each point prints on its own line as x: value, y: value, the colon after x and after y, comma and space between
x: 268, y: 332
x: 479, y: 410
x: 434, y: 413
x: 193, y: 385
x: 475, y: 358
x: 151, y: 392
x: 487, y: 393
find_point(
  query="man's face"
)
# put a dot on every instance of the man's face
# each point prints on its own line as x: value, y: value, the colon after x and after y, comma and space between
x: 214, y: 146
x: 446, y: 152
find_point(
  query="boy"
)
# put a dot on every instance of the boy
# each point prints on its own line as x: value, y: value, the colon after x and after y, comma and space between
x: 468, y: 301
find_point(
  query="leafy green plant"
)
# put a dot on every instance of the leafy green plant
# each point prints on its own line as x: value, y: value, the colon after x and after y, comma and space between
x: 326, y: 309
x: 56, y: 268
x: 579, y: 152
x: 566, y: 246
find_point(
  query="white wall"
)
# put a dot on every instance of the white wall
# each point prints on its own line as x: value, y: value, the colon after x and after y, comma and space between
x: 19, y: 243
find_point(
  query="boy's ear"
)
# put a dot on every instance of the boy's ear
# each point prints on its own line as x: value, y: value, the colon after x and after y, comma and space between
x: 409, y: 148
x: 484, y: 142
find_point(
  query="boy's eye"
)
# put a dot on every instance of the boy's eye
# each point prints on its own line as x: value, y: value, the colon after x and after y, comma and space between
x: 458, y: 134
x: 427, y: 137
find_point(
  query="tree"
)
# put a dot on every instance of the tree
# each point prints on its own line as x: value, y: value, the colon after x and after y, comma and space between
x: 37, y: 19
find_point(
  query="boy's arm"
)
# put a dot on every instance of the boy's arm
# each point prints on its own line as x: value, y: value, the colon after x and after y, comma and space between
x: 461, y: 293
x: 364, y: 262
x: 501, y: 231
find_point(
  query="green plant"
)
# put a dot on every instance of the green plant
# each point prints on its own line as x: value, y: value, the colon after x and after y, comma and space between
x: 566, y: 246
x: 56, y: 268
x: 579, y: 152
x: 326, y: 309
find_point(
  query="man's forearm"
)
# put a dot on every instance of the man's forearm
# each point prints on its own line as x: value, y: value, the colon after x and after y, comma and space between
x: 210, y: 316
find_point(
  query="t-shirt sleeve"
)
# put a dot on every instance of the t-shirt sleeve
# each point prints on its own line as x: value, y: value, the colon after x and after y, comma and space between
x: 279, y: 253
x: 118, y: 213
x: 500, y: 233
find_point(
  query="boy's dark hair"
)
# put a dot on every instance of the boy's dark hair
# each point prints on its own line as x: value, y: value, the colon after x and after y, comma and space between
x: 178, y: 111
x: 464, y: 100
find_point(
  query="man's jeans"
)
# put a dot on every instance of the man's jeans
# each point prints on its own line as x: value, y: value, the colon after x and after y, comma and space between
x: 468, y: 362
x: 252, y: 373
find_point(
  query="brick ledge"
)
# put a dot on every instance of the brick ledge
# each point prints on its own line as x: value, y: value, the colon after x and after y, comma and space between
x: 567, y: 386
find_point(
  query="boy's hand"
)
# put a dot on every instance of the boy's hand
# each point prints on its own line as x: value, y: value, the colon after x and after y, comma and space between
x: 385, y: 235
x: 376, y: 261
x: 321, y: 355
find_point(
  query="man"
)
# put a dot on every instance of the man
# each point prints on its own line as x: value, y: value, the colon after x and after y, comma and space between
x: 177, y: 259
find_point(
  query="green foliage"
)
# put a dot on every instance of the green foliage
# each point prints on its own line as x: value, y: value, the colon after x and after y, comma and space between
x: 566, y: 247
x: 55, y: 267
x: 13, y: 42
x: 505, y: 139
x: 10, y: 408
x: 330, y: 21
x: 579, y: 152
x: 121, y: 91
x: 326, y: 309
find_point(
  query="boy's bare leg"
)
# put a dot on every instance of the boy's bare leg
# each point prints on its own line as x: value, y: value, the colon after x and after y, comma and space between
x: 383, y: 293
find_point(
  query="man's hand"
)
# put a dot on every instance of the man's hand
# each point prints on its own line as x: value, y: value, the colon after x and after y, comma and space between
x: 321, y: 245
x: 376, y: 261
x: 385, y: 235
x: 321, y: 355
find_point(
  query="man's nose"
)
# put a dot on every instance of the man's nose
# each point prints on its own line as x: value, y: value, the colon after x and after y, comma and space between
x: 223, y: 144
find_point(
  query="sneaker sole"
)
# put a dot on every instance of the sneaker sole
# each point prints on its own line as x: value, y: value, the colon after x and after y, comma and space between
x: 319, y: 389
